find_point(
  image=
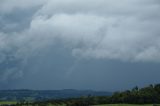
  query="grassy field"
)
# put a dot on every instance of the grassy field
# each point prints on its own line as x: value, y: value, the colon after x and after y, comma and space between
x: 112, y: 105
x: 7, y: 102
x: 13, y: 102
x: 126, y: 105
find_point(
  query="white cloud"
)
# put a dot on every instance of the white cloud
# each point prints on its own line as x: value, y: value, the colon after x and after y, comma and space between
x: 107, y: 29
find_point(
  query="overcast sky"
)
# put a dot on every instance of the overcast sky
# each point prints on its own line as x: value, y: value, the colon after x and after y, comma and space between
x: 79, y: 44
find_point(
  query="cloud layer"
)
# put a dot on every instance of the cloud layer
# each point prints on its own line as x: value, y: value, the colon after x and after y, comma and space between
x: 126, y: 30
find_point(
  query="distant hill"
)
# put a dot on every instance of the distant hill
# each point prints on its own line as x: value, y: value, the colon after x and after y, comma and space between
x: 39, y: 95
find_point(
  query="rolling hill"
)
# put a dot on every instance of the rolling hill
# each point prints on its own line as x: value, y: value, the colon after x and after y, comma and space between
x: 34, y: 95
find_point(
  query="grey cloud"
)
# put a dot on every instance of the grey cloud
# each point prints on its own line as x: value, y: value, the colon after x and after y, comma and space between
x: 7, y: 6
x: 126, y: 30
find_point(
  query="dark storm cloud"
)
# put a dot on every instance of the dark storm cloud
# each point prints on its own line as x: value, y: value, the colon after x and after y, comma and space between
x: 33, y: 31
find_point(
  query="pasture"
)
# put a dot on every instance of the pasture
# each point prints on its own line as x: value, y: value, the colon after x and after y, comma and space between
x: 127, y: 105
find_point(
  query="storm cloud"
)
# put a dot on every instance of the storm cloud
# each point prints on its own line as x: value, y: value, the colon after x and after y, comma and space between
x: 31, y: 31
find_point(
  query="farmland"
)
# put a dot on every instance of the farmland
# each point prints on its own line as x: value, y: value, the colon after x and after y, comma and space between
x: 126, y: 105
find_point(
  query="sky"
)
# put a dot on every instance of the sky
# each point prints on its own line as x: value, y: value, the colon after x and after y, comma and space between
x: 104, y: 45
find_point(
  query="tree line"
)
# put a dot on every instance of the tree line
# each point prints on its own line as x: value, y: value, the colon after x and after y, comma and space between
x: 146, y: 95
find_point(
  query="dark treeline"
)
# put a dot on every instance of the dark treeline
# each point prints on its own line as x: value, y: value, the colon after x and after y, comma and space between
x: 146, y: 95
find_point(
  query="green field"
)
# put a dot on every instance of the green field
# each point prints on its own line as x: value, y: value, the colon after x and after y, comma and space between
x: 13, y: 102
x: 126, y: 105
x: 112, y: 105
x: 7, y: 102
